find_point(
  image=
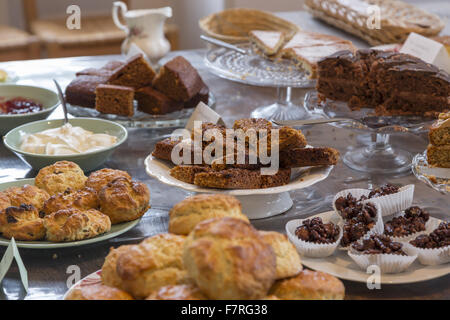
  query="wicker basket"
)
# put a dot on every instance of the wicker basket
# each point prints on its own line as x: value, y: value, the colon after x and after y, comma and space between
x: 233, y: 25
x: 398, y: 19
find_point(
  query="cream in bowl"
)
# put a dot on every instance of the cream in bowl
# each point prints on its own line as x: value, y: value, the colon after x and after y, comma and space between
x: 65, y: 140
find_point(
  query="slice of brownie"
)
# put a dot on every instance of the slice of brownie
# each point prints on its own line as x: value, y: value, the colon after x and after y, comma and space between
x: 305, y: 157
x: 163, y: 149
x: 187, y: 173
x: 178, y: 80
x: 81, y: 91
x: 114, y: 99
x: 136, y: 73
x: 152, y: 101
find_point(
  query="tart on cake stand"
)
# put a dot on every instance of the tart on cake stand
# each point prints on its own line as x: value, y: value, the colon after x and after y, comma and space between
x: 251, y: 69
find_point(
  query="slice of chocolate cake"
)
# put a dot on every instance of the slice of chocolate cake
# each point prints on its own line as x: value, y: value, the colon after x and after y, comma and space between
x: 178, y: 80
x: 81, y: 91
x: 152, y: 101
x: 392, y: 83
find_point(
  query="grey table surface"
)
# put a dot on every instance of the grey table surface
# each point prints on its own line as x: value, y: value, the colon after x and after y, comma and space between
x: 47, y: 269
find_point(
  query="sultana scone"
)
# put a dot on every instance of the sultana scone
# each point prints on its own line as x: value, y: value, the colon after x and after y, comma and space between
x: 186, y: 214
x: 109, y: 268
x: 124, y: 200
x: 288, y: 259
x: 27, y: 194
x: 22, y: 223
x: 309, y: 285
x: 4, y: 201
x: 178, y: 292
x: 228, y: 259
x: 82, y: 199
x: 74, y: 224
x: 97, y: 292
x: 154, y: 263
x: 60, y: 176
x: 100, y: 178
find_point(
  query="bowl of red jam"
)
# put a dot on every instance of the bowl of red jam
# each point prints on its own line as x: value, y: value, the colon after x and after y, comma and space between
x: 20, y: 104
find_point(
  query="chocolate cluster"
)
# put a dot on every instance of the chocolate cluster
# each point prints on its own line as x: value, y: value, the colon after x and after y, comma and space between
x: 314, y: 230
x: 412, y: 221
x: 359, y: 219
x: 383, y: 191
x: 439, y: 238
x: 378, y: 244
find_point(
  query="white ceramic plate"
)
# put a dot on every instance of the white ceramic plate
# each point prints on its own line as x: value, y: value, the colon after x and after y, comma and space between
x: 300, y: 178
x: 116, y: 229
x: 342, y: 266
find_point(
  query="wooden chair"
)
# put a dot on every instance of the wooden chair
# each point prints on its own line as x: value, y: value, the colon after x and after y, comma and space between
x: 98, y: 34
x: 16, y: 44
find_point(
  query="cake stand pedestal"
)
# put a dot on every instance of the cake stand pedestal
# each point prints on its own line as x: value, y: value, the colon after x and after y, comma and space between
x: 252, y: 69
x: 265, y: 206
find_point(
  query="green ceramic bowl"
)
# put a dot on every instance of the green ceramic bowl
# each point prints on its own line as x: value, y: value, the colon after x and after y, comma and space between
x: 47, y: 98
x: 87, y: 161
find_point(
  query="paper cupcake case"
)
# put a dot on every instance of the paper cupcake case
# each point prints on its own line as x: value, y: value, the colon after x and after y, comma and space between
x: 311, y: 249
x: 378, y: 228
x: 390, y: 204
x: 388, y: 263
x: 429, y: 257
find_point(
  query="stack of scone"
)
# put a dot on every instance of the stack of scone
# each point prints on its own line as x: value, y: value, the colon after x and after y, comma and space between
x: 211, y: 252
x: 65, y: 205
x: 220, y: 172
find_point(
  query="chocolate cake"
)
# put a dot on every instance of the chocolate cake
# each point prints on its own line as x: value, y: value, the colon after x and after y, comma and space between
x: 305, y: 157
x: 392, y: 83
x: 201, y: 96
x: 178, y: 80
x: 106, y: 70
x: 81, y: 91
x: 154, y: 102
x: 114, y: 99
x: 135, y: 73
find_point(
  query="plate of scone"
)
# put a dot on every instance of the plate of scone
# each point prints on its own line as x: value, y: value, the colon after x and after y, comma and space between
x: 211, y: 252
x: 300, y: 165
x: 62, y: 207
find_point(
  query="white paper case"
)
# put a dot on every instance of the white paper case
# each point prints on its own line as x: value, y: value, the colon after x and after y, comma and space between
x: 389, y: 204
x: 388, y: 263
x: 429, y: 257
x: 311, y: 249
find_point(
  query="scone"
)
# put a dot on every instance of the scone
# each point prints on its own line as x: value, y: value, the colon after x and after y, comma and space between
x: 74, y: 224
x: 22, y: 223
x: 109, y: 268
x: 4, y: 201
x: 288, y: 259
x: 228, y: 259
x: 82, y: 199
x: 178, y: 292
x: 186, y: 214
x: 309, y: 285
x: 154, y: 263
x: 124, y: 200
x: 60, y: 176
x: 100, y: 178
x: 27, y: 194
x: 97, y: 292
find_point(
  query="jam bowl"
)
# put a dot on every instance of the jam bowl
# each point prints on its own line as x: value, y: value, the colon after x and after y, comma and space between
x: 20, y: 104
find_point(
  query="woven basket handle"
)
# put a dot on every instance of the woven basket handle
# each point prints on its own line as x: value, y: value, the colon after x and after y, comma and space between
x: 115, y: 14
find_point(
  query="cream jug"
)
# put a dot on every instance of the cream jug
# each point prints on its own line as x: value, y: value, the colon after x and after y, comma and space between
x: 145, y: 28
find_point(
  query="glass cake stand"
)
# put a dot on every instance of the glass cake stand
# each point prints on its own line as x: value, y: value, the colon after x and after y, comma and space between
x: 252, y: 69
x: 379, y: 156
x: 141, y: 119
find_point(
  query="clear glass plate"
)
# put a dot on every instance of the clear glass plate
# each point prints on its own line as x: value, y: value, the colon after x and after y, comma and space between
x: 141, y: 119
x: 436, y: 178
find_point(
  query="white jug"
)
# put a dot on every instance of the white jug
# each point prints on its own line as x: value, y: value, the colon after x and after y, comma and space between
x: 145, y: 28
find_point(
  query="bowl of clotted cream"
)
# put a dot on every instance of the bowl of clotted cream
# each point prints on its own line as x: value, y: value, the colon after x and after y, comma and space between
x: 85, y: 141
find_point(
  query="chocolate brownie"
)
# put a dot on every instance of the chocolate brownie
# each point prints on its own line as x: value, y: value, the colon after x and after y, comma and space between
x: 113, y: 99
x: 106, y: 70
x: 163, y: 149
x: 304, y: 157
x: 188, y: 173
x: 81, y: 91
x: 201, y: 96
x: 136, y: 72
x: 378, y: 244
x: 178, y: 80
x: 152, y: 101
x: 392, y: 83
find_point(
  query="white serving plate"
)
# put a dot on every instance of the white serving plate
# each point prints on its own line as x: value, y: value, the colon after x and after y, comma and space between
x: 342, y: 266
x: 115, y: 231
